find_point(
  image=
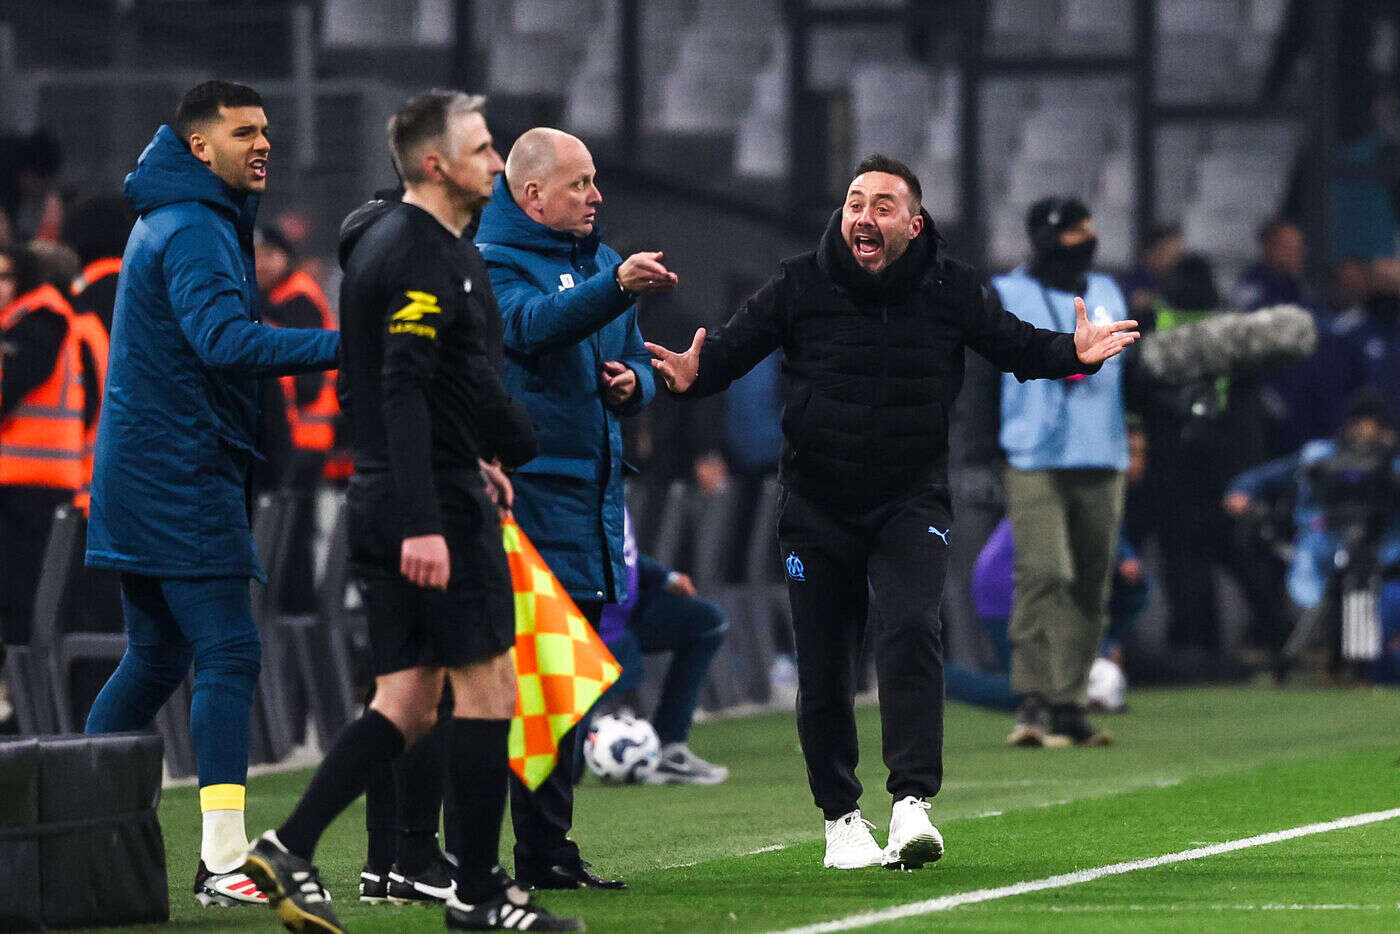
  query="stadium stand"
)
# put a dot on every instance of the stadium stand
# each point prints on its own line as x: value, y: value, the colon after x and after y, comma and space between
x: 715, y: 132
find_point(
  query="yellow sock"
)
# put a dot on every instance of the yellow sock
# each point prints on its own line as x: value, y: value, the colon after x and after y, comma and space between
x: 225, y: 836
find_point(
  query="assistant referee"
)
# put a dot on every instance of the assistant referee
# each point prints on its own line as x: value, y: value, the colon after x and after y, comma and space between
x: 430, y: 422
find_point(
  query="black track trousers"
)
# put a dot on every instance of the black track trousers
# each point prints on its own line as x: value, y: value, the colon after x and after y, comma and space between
x: 887, y: 564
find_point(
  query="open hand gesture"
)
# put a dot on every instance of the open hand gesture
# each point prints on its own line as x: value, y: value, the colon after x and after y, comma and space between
x: 644, y: 272
x: 1096, y: 343
x: 678, y: 369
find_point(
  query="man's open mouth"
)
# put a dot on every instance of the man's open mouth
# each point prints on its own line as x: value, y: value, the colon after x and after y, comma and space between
x: 865, y: 246
x: 259, y: 169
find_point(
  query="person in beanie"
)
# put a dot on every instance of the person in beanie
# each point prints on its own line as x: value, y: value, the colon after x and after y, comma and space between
x: 1066, y: 444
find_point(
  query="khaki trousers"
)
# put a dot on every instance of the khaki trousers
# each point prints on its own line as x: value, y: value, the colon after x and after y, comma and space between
x: 1065, y: 524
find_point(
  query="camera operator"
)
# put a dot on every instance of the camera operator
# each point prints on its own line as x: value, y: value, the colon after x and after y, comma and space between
x: 1347, y: 493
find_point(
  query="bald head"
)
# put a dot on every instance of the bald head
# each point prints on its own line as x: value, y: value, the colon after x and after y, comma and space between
x: 535, y: 155
x: 551, y: 178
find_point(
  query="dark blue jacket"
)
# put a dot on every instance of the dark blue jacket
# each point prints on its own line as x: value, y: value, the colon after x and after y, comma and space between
x: 564, y: 318
x: 180, y: 414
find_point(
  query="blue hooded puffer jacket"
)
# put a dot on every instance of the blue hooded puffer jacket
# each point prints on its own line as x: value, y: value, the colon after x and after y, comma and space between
x: 564, y: 318
x: 180, y: 413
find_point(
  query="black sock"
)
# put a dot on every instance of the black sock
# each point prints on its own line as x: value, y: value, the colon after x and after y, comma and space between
x: 366, y: 746
x: 382, y: 821
x: 419, y: 776
x: 478, y: 763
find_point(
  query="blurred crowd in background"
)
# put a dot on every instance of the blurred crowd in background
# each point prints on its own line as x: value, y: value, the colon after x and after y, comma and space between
x: 1224, y: 488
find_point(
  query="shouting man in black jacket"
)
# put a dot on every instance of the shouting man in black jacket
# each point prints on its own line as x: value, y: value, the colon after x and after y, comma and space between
x: 872, y: 326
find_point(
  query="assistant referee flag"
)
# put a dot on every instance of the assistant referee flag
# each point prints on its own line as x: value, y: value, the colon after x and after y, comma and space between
x: 561, y: 665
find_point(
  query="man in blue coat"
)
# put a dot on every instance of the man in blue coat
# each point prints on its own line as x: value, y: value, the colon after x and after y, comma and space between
x: 176, y: 442
x: 1066, y: 445
x: 574, y: 356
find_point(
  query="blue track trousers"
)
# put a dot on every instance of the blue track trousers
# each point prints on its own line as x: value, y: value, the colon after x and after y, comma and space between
x: 171, y: 622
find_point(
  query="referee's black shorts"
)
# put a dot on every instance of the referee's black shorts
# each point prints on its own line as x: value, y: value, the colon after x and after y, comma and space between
x: 412, y: 626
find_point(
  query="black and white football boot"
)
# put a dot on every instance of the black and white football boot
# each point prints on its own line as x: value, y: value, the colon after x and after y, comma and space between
x: 225, y: 889
x: 374, y: 886
x: 293, y: 887
x: 510, y: 909
x: 432, y: 885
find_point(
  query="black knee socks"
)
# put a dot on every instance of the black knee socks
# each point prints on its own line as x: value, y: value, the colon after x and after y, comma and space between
x: 366, y: 746
x: 477, y: 763
x: 382, y: 821
x: 418, y: 780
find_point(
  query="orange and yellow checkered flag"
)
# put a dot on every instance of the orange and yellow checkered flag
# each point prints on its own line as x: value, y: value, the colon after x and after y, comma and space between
x: 561, y: 665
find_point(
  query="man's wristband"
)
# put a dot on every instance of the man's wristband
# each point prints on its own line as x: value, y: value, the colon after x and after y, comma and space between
x: 617, y: 280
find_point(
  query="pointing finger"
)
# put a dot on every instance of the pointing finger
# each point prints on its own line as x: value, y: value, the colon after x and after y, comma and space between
x: 1081, y: 312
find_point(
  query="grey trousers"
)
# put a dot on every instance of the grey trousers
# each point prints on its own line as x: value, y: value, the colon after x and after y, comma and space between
x: 1065, y: 524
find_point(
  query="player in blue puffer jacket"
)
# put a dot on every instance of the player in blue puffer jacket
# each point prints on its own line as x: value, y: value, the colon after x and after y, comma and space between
x: 175, y: 444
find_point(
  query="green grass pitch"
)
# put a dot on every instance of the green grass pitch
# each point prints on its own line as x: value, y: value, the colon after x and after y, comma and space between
x: 1192, y: 767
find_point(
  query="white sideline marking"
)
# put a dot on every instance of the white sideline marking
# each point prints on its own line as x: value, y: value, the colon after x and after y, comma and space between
x: 1097, y: 909
x: 947, y: 902
x: 772, y: 848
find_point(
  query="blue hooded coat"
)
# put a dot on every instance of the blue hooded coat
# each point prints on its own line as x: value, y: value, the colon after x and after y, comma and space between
x: 180, y: 413
x: 564, y: 318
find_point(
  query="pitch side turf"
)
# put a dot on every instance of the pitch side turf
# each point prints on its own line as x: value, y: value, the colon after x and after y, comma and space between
x: 1036, y: 839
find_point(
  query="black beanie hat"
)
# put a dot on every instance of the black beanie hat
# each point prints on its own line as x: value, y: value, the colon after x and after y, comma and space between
x: 1048, y: 217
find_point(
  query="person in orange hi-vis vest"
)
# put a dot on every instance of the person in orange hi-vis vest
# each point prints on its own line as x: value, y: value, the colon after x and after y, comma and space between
x: 41, y: 429
x: 96, y: 229
x: 292, y: 298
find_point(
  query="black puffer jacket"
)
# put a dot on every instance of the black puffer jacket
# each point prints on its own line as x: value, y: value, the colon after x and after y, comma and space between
x: 873, y: 362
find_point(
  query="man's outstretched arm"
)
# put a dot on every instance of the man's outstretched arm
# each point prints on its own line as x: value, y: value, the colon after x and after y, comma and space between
x: 1029, y: 352
x: 209, y: 306
x: 713, y: 361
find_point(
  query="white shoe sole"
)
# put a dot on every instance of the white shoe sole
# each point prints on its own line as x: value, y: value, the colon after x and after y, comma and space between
x: 916, y: 852
x: 216, y: 900
x: 872, y: 861
x: 653, y: 778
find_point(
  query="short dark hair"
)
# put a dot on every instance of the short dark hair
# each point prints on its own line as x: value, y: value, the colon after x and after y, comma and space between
x: 98, y: 227
x: 202, y: 102
x: 422, y: 119
x: 1190, y: 286
x: 876, y: 162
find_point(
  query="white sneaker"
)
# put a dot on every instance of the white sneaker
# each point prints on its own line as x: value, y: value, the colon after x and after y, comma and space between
x: 849, y: 844
x: 913, y: 838
x: 679, y: 766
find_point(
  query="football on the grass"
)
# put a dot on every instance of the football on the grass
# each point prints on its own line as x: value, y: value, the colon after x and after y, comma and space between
x: 1108, y: 686
x: 621, y: 747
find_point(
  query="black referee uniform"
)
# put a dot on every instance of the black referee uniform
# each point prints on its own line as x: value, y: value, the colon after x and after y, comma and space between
x: 421, y: 391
